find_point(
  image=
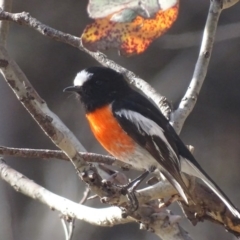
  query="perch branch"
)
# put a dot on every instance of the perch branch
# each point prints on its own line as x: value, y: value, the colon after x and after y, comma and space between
x: 160, y: 190
x: 106, y: 217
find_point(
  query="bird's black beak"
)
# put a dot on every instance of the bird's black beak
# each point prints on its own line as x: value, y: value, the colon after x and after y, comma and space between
x: 71, y: 89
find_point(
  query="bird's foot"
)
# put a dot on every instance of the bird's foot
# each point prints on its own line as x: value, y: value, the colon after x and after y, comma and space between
x: 129, y: 191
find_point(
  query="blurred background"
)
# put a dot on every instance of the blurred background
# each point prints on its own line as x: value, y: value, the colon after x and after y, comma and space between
x: 213, y: 127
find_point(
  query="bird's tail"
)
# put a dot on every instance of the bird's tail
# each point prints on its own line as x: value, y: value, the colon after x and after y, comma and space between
x: 189, y: 168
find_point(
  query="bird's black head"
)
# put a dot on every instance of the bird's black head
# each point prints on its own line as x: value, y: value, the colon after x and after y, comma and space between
x: 99, y: 86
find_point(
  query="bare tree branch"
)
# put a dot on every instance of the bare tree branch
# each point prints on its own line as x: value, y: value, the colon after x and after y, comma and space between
x: 189, y: 100
x: 65, y: 228
x: 106, y: 217
x: 161, y: 190
x: 69, y: 224
x: 37, y: 107
x: 57, y: 154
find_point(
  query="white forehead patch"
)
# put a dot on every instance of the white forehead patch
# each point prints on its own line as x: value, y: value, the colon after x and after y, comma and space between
x: 81, y: 78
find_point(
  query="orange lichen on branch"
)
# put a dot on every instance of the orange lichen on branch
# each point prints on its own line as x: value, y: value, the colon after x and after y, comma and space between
x: 130, y: 37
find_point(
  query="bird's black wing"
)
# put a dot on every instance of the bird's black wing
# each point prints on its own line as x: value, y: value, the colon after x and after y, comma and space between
x: 149, y: 130
x: 134, y: 108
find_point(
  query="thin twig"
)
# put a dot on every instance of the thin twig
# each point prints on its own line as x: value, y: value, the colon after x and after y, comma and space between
x: 71, y: 228
x: 71, y: 223
x: 65, y: 228
x: 6, y: 5
x: 189, y: 100
x: 57, y: 154
x: 85, y: 195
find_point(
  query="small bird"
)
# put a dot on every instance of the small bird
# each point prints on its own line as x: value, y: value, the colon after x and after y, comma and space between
x: 132, y: 129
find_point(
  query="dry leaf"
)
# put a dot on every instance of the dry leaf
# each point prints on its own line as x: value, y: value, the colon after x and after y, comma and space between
x: 131, y: 37
x: 145, y: 8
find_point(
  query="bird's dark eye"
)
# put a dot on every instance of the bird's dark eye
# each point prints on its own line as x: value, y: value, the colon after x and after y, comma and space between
x: 99, y: 82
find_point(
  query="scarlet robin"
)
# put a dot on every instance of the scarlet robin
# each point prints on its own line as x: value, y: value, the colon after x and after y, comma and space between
x: 133, y: 130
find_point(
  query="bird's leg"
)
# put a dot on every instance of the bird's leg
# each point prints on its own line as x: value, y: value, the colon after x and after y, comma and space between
x: 131, y: 186
x: 129, y: 189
